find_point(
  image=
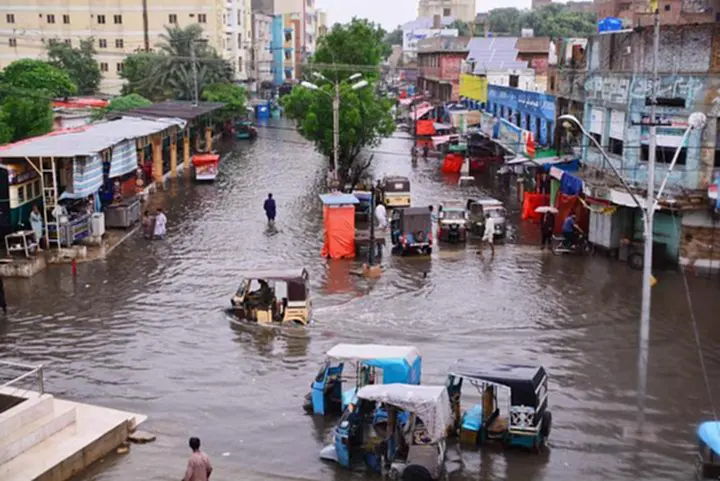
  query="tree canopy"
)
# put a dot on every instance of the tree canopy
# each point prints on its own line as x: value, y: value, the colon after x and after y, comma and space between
x: 359, y: 42
x: 464, y: 29
x: 554, y: 20
x: 79, y: 63
x: 38, y: 76
x: 167, y: 72
x: 365, y: 118
x: 232, y: 95
x: 395, y: 37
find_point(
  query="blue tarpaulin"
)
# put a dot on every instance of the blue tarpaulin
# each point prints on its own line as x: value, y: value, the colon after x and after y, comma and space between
x: 570, y: 185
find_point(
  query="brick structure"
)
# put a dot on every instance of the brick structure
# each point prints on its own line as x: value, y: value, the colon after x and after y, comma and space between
x: 439, y: 62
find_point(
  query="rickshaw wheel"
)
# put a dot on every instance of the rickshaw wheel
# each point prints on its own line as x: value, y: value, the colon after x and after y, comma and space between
x: 415, y: 472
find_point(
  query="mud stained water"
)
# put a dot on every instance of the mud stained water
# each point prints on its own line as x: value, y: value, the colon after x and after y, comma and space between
x: 146, y: 331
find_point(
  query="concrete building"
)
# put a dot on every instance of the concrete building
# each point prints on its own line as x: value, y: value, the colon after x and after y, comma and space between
x: 672, y: 12
x: 613, y: 79
x: 422, y: 28
x: 440, y: 62
x: 497, y: 59
x: 239, y: 39
x: 535, y: 4
x: 463, y: 10
x: 322, y: 24
x: 535, y: 51
x: 277, y: 46
x: 119, y: 28
x: 262, y: 54
x: 303, y: 13
x: 581, y: 7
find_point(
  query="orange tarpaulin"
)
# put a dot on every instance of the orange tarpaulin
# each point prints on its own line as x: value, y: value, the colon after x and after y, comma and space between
x: 530, y: 203
x: 571, y: 203
x: 339, y: 232
x: 425, y: 127
x: 453, y: 163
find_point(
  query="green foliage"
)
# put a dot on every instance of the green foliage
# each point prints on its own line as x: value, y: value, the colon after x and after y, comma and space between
x: 27, y: 116
x: 395, y: 37
x: 365, y: 119
x: 233, y: 96
x: 554, y: 20
x: 464, y: 29
x: 78, y: 63
x: 6, y: 131
x: 128, y: 102
x: 137, y: 72
x: 359, y: 42
x: 38, y: 77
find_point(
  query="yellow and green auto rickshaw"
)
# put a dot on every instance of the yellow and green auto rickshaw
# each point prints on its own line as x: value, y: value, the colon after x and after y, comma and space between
x: 268, y: 297
x: 395, y: 192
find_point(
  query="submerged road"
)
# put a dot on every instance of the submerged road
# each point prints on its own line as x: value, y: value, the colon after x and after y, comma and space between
x: 146, y: 331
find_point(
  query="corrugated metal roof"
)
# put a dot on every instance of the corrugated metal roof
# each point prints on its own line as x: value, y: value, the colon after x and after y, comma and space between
x: 175, y: 109
x: 87, y: 140
x: 494, y: 53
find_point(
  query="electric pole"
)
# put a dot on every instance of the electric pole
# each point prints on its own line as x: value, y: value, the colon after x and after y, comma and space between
x: 195, y: 75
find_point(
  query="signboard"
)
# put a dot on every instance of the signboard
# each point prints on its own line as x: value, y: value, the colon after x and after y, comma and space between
x: 537, y: 104
x: 617, y: 124
x: 474, y: 87
x: 412, y: 37
x: 597, y: 119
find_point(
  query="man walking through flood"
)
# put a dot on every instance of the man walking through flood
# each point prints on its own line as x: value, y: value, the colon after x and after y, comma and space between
x: 160, y: 228
x: 381, y: 216
x: 199, y: 467
x: 488, y: 235
x: 270, y: 209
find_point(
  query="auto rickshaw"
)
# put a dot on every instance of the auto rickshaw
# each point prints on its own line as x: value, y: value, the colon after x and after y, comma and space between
x: 245, y: 130
x: 257, y: 299
x: 708, y: 458
x: 355, y: 366
x: 452, y: 222
x: 478, y: 209
x: 528, y: 421
x: 397, y: 430
x: 411, y: 230
x: 395, y: 192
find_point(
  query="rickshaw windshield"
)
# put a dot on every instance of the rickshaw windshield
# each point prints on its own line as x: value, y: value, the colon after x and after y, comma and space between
x: 452, y: 215
x: 497, y: 213
x: 400, y: 186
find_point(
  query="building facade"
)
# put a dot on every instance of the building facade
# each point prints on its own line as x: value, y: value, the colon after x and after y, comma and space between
x: 277, y: 47
x: 304, y: 14
x: 463, y: 10
x: 496, y: 58
x: 322, y: 24
x: 262, y: 54
x: 422, y: 28
x: 119, y: 28
x: 239, y: 38
x: 440, y: 63
x: 672, y: 12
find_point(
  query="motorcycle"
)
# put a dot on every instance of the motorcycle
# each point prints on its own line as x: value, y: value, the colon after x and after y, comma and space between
x: 581, y: 246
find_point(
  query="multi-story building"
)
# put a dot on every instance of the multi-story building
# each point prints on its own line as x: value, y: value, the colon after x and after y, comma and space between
x: 322, y: 24
x: 440, y: 61
x: 119, y: 28
x: 422, y: 28
x: 278, y: 48
x: 301, y: 17
x: 238, y: 43
x: 672, y: 12
x: 497, y: 58
x: 261, y: 54
x: 463, y: 10
x: 535, y: 4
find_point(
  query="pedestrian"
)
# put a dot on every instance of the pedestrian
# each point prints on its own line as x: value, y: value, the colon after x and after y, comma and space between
x: 381, y: 215
x: 489, y: 235
x: 3, y: 304
x: 547, y: 227
x: 270, y: 209
x: 147, y: 225
x: 36, y: 223
x: 160, y: 225
x: 199, y: 467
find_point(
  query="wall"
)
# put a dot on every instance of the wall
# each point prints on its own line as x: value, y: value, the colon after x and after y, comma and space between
x: 263, y: 54
x: 526, y: 79
x: 528, y: 110
x: 277, y: 46
x: 461, y: 9
x: 411, y: 37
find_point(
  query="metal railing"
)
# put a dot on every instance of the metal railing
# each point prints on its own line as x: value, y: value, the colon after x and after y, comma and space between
x: 20, y: 375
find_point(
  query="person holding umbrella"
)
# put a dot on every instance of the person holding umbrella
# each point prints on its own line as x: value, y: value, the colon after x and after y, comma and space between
x: 547, y: 225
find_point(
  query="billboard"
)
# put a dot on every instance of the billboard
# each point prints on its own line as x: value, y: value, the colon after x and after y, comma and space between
x: 474, y: 87
x: 412, y: 37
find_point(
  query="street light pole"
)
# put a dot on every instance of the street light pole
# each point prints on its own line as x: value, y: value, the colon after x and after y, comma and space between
x: 336, y: 127
x: 194, y: 72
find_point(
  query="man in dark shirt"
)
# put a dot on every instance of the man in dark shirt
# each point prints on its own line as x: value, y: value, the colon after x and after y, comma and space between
x: 269, y: 207
x: 546, y: 229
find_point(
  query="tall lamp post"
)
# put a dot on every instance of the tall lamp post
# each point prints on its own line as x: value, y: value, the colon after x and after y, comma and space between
x: 336, y: 109
x: 696, y: 121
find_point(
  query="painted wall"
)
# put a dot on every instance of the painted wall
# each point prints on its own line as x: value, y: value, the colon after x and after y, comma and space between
x: 277, y: 45
x: 528, y: 110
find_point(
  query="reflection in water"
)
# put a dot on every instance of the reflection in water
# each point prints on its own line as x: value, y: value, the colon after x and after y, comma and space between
x: 146, y: 330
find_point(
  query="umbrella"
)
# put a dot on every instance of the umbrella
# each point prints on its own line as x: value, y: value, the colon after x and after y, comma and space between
x: 546, y: 208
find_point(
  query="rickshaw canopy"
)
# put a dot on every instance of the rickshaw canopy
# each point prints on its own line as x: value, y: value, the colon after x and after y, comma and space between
x: 709, y: 433
x: 524, y: 381
x: 430, y: 403
x: 205, y: 159
x: 287, y: 275
x: 370, y: 352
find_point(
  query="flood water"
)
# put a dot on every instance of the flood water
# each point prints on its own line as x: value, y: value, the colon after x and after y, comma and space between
x: 146, y: 331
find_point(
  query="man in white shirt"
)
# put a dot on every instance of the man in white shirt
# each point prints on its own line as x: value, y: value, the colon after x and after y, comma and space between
x: 488, y: 235
x: 160, y: 225
x: 381, y: 215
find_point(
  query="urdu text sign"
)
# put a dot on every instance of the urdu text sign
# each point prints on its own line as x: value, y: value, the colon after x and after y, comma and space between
x: 474, y: 87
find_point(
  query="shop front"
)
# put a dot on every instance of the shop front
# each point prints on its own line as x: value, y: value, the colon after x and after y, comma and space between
x: 531, y: 111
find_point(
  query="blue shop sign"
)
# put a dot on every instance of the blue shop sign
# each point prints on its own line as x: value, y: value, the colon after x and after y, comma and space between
x: 534, y: 103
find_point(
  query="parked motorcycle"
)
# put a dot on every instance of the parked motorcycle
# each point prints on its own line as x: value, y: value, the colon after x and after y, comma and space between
x: 581, y: 246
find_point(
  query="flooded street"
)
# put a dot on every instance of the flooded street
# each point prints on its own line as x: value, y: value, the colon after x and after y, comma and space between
x: 146, y: 331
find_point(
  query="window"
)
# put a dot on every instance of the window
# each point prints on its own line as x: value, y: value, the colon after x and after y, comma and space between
x: 202, y: 18
x: 514, y: 81
x: 50, y: 18
x: 288, y: 54
x: 119, y: 43
x: 117, y: 19
x: 68, y: 41
x: 12, y: 42
x: 172, y: 18
x: 66, y: 19
x: 120, y: 66
x: 101, y: 19
x: 664, y: 154
x: 447, y: 12
x: 102, y: 43
x: 240, y: 64
x: 10, y: 18
x: 288, y: 36
x: 616, y: 146
x: 103, y: 67
x: 288, y: 74
x: 667, y: 7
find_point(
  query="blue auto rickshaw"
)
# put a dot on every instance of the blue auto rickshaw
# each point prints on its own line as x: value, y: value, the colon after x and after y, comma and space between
x: 708, y: 457
x: 348, y: 367
x: 245, y: 130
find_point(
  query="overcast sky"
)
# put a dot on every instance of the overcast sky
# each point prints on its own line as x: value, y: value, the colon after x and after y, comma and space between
x: 390, y: 13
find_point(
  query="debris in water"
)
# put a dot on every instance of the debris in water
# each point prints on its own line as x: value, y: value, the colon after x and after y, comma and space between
x: 122, y: 450
x: 141, y: 437
x: 226, y: 454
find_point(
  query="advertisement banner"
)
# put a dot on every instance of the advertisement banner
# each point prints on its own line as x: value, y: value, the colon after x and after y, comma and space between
x: 412, y: 37
x: 534, y: 103
x: 474, y: 87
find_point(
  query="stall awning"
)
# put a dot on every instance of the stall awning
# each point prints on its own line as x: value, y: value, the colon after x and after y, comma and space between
x: 124, y: 159
x: 87, y: 178
x: 420, y: 112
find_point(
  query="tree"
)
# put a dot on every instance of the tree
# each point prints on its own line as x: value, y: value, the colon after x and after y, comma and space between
x: 78, y: 63
x: 554, y: 20
x: 38, y: 77
x: 233, y: 96
x: 27, y: 116
x: 137, y: 72
x: 6, y: 131
x: 464, y: 29
x: 359, y: 43
x: 395, y: 37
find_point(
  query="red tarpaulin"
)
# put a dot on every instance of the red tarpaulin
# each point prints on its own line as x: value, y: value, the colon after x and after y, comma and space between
x: 425, y: 127
x: 571, y: 203
x: 530, y: 203
x: 452, y: 163
x: 339, y: 232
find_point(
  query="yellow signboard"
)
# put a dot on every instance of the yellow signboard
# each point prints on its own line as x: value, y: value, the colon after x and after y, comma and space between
x: 473, y: 87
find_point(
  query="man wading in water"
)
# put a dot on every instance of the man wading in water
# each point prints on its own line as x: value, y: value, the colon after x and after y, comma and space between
x: 269, y: 207
x: 199, y: 467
